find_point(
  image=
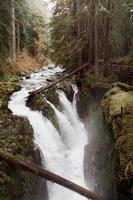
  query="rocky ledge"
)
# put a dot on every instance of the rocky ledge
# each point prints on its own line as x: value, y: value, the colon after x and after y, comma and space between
x: 117, y: 107
x: 16, y: 137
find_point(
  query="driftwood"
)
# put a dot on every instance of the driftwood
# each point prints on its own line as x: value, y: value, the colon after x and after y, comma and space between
x: 39, y: 171
x: 81, y: 68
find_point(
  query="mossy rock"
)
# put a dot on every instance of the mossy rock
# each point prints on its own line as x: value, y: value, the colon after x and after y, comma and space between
x: 123, y: 86
x: 117, y: 106
x: 38, y: 102
x: 16, y: 137
x: 7, y: 88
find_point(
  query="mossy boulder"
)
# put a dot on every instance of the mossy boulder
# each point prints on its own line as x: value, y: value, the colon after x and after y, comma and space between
x: 66, y: 87
x: 38, y: 102
x: 117, y: 107
x: 15, y: 137
x: 7, y: 88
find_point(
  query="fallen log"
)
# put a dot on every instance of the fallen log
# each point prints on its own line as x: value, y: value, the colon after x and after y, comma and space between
x: 39, y: 171
x: 42, y: 89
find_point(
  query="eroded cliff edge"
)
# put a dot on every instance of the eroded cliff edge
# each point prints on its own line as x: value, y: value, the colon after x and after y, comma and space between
x: 117, y: 105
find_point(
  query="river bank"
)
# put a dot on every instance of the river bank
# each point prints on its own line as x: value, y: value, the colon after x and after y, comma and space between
x: 117, y: 107
x: 16, y: 137
x: 117, y: 104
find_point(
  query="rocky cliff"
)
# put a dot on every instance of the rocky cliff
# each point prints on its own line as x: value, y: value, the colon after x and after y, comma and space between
x: 117, y: 107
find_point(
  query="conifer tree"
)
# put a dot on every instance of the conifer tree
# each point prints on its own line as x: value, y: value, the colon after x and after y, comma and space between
x: 77, y: 39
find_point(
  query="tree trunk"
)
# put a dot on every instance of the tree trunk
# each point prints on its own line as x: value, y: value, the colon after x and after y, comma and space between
x: 39, y: 171
x: 18, y: 39
x: 79, y: 69
x: 92, y: 34
x: 13, y: 32
x: 96, y: 39
x: 79, y: 31
x: 107, y: 42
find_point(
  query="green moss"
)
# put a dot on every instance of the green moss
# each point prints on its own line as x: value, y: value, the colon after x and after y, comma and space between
x: 15, y: 137
x: 123, y: 86
x: 6, y: 88
x: 37, y: 102
x: 117, y: 106
x: 4, y: 178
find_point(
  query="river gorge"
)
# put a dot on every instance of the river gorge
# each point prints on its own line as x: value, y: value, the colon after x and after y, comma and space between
x: 77, y: 150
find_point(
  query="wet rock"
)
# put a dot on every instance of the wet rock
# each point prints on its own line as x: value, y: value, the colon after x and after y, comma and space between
x: 50, y: 79
x: 50, y: 67
x: 22, y: 145
x: 117, y: 107
x: 57, y: 73
x: 38, y: 189
x: 37, y: 102
x: 28, y: 77
x: 16, y: 137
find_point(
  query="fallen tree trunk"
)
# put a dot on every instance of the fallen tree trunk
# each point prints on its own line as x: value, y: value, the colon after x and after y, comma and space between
x: 59, y: 80
x: 35, y: 169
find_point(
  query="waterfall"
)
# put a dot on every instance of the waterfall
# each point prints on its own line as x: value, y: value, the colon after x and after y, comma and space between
x: 75, y: 89
x: 62, y: 152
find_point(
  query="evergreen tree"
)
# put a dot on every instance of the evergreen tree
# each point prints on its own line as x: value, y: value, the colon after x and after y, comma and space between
x: 31, y: 29
x: 122, y: 29
x: 5, y: 29
x: 36, y: 36
x: 84, y: 30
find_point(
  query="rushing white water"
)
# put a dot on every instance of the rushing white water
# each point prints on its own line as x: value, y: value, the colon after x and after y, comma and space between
x: 75, y: 89
x: 62, y: 153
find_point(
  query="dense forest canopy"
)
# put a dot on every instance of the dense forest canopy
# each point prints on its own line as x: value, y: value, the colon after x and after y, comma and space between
x: 32, y: 28
x: 81, y: 30
x: 85, y: 30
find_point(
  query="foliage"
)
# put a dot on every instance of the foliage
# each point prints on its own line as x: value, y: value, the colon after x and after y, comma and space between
x: 4, y: 28
x: 122, y: 29
x: 32, y: 29
x: 36, y: 36
x: 73, y: 31
x: 65, y: 43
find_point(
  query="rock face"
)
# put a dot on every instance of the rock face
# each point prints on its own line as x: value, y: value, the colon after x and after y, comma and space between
x: 117, y: 107
x: 38, y: 103
x: 16, y: 137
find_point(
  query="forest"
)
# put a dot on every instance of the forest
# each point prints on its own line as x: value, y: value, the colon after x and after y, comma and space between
x: 66, y: 99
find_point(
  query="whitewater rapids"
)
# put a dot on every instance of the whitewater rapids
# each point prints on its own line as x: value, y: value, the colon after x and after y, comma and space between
x: 62, y: 153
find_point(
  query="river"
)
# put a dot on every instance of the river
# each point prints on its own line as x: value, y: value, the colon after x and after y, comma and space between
x: 61, y: 153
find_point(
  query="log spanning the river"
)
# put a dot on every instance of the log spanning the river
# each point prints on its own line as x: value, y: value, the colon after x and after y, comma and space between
x: 79, y: 69
x: 39, y: 171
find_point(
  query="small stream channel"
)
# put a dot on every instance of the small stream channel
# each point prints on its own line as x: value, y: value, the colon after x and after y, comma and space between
x: 80, y: 152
